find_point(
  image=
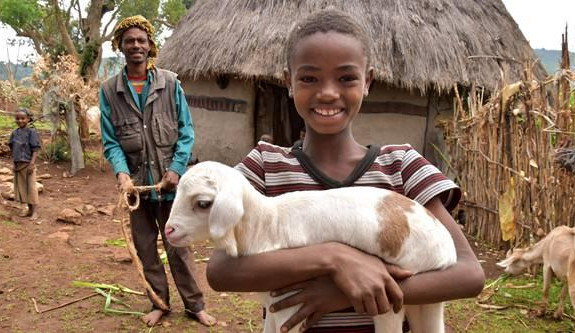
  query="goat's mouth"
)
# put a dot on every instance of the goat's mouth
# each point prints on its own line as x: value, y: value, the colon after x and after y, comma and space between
x: 175, y: 238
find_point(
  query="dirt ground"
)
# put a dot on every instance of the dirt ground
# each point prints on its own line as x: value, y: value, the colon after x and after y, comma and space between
x: 41, y: 259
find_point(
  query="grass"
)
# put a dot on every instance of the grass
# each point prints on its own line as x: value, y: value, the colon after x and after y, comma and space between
x: 9, y: 223
x: 519, y: 314
x: 7, y: 123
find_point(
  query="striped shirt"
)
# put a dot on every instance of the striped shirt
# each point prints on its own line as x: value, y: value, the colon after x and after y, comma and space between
x: 275, y: 170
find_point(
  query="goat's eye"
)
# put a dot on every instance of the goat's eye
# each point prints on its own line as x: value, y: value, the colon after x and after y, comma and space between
x: 204, y: 204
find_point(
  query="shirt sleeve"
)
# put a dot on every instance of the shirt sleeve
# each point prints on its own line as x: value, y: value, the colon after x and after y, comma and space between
x: 185, y: 133
x: 252, y: 167
x: 422, y: 181
x: 112, y: 149
x: 34, y: 140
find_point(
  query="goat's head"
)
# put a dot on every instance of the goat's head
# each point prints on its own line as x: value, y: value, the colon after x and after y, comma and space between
x: 208, y: 204
x: 514, y: 263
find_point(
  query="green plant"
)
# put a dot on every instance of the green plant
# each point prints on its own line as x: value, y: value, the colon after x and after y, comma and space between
x: 58, y: 150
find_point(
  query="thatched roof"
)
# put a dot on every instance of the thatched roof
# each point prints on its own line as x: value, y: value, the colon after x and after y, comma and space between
x: 418, y: 44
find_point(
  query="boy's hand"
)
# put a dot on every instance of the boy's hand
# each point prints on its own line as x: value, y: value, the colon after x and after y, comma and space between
x: 170, y: 180
x: 30, y: 168
x: 366, y: 281
x: 319, y: 296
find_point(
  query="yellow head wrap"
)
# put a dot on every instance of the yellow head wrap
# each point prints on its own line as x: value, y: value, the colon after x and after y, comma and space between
x: 140, y: 22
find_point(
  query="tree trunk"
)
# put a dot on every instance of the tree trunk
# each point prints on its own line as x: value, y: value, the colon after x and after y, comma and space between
x: 77, y: 155
x: 92, y: 54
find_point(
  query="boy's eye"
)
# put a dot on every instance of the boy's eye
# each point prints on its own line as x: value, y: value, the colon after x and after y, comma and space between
x: 307, y: 79
x: 348, y: 78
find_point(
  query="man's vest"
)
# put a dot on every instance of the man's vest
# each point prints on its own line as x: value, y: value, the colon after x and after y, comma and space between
x: 148, y: 138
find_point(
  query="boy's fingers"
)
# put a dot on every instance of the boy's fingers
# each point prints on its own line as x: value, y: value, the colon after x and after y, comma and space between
x: 312, y: 320
x: 382, y: 303
x: 297, y: 318
x: 358, y: 306
x: 285, y: 290
x: 398, y: 273
x: 370, y: 306
x: 286, y: 302
x: 395, y: 296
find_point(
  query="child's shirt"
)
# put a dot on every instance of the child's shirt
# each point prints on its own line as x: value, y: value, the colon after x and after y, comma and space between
x: 275, y: 170
x: 23, y: 141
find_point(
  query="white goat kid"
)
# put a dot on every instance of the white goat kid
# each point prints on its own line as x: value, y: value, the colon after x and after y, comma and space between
x: 557, y: 254
x: 216, y: 201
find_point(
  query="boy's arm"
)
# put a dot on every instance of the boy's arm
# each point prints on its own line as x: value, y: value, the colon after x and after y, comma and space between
x: 363, y: 278
x: 462, y: 280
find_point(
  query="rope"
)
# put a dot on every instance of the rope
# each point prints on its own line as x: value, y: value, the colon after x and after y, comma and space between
x: 124, y: 202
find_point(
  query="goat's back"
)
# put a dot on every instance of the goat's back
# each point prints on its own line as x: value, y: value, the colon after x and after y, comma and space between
x: 560, y: 247
x: 377, y: 221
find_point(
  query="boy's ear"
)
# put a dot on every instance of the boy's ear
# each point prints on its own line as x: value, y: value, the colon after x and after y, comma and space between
x: 287, y: 79
x: 368, y: 80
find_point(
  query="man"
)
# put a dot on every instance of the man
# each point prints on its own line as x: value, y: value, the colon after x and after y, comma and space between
x: 147, y: 136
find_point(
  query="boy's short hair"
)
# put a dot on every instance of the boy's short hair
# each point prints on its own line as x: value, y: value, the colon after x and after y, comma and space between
x: 326, y: 21
x: 27, y: 112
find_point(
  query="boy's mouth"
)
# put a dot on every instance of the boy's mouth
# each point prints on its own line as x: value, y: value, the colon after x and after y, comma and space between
x: 327, y: 112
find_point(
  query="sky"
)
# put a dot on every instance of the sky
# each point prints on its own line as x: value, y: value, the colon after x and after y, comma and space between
x: 541, y: 21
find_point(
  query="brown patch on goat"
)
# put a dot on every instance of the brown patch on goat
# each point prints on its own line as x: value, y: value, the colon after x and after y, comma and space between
x: 393, y: 221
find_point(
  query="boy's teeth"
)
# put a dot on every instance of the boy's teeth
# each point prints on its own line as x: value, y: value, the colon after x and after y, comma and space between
x: 327, y: 112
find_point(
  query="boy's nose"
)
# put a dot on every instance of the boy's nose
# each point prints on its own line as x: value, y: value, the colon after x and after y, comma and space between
x: 328, y: 92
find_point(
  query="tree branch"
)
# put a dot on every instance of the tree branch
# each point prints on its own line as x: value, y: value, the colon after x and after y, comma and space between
x: 105, y: 36
x: 66, y: 39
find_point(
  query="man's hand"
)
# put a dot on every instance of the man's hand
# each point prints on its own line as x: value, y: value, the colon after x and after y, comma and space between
x: 125, y: 183
x: 170, y: 180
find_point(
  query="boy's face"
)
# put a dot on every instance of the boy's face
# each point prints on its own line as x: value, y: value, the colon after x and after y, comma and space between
x: 328, y: 78
x: 135, y: 45
x: 21, y: 119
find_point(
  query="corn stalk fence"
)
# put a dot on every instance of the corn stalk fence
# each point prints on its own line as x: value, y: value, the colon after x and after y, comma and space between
x: 506, y: 153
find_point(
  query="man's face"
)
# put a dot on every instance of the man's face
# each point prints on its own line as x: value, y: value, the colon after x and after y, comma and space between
x: 135, y: 45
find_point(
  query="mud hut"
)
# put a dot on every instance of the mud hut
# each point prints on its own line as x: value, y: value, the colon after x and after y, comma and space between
x: 229, y: 57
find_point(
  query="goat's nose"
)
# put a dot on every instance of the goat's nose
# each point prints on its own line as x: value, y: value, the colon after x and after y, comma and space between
x: 168, y: 230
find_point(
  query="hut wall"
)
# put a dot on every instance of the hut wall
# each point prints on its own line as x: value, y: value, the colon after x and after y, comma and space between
x: 223, y: 119
x: 382, y: 119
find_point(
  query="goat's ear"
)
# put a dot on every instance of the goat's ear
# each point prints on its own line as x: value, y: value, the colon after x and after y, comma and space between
x: 227, y: 210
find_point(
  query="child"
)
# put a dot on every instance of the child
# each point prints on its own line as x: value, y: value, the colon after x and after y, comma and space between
x: 328, y: 74
x: 25, y: 143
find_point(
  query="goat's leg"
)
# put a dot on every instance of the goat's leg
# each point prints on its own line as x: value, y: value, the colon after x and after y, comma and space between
x: 389, y: 322
x: 547, y: 276
x: 425, y: 318
x: 559, y: 312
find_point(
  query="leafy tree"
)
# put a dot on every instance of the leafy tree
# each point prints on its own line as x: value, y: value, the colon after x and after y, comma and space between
x: 58, y: 27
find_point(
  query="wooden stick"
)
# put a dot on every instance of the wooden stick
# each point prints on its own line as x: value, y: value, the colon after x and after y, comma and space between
x: 61, y: 305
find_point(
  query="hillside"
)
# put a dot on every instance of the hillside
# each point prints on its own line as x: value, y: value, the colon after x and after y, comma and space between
x: 19, y: 71
x: 551, y: 58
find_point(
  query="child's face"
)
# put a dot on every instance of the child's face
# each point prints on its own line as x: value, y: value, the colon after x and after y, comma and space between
x: 21, y: 119
x: 328, y: 76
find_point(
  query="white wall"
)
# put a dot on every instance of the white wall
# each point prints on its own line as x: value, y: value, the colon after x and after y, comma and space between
x: 222, y: 136
x: 391, y: 128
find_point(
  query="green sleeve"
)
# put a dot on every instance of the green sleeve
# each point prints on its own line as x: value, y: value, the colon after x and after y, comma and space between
x: 185, y: 133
